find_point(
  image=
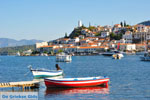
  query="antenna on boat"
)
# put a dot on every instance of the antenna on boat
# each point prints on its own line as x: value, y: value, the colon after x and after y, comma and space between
x: 30, y: 67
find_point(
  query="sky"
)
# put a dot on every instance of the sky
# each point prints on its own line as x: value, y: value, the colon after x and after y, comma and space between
x: 51, y: 19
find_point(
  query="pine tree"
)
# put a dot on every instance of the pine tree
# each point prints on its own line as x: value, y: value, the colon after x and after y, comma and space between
x: 89, y: 24
x: 66, y: 35
x: 121, y: 24
x: 125, y: 24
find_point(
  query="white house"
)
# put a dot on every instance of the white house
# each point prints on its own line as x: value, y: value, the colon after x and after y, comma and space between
x: 108, y: 28
x: 74, y: 41
x: 104, y: 34
x: 86, y: 49
x: 116, y: 28
x: 128, y: 37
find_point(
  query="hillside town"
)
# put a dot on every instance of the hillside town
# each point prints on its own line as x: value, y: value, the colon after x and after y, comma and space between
x: 97, y: 39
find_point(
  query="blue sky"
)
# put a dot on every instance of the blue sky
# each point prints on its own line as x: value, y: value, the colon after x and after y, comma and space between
x: 51, y: 19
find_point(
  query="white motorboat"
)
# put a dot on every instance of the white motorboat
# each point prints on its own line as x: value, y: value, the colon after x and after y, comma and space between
x: 62, y: 57
x: 117, y: 56
x: 42, y: 73
x: 110, y: 53
x: 18, y: 54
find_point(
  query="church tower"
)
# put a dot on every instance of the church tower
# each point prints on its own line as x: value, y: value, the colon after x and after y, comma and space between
x: 79, y: 23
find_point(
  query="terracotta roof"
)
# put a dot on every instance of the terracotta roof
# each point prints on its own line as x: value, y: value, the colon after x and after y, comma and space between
x: 93, y: 47
x: 125, y: 44
x: 47, y: 46
x: 140, y: 44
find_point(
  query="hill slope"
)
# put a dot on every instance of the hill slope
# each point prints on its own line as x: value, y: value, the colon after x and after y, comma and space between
x: 147, y: 23
x: 14, y: 50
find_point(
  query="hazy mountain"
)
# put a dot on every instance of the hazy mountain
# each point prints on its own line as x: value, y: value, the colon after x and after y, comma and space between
x: 6, y: 42
x: 147, y: 23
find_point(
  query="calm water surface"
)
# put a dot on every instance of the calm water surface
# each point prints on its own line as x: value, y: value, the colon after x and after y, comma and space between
x: 129, y: 77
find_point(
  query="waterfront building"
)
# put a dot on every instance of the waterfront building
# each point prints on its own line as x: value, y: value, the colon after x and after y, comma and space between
x: 38, y: 45
x: 64, y: 40
x: 140, y: 47
x: 126, y: 47
x: 46, y: 49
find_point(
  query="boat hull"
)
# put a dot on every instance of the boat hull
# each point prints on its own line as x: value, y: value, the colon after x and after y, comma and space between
x: 145, y: 58
x: 63, y: 60
x: 76, y: 83
x: 107, y: 54
x: 42, y: 74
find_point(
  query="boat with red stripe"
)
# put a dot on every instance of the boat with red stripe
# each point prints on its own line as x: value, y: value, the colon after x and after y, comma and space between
x: 77, y: 82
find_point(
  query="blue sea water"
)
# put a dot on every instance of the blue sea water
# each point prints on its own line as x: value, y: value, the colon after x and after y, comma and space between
x: 129, y: 77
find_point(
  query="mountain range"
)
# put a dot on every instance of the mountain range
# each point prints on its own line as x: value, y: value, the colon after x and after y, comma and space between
x: 146, y: 23
x: 6, y: 42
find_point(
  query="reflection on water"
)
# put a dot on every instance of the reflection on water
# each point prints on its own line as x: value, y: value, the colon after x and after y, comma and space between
x: 82, y: 90
x: 20, y: 90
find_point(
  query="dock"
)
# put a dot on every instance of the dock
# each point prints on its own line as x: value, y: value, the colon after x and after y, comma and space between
x: 23, y: 84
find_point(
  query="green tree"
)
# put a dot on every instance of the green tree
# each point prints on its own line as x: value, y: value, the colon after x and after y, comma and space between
x: 66, y: 36
x: 121, y: 24
x: 116, y: 37
x: 60, y: 50
x: 91, y: 28
x: 98, y: 34
x: 125, y: 24
x: 112, y: 36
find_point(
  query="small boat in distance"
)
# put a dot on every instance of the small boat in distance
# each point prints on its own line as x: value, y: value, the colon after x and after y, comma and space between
x: 18, y: 54
x: 42, y: 73
x: 146, y: 57
x: 62, y: 57
x: 117, y: 56
x: 77, y: 82
x: 110, y: 53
